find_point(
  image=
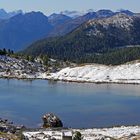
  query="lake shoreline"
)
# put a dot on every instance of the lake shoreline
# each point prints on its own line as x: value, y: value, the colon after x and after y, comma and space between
x: 20, y: 132
x: 71, y: 81
x: 128, y: 73
x: 117, y: 133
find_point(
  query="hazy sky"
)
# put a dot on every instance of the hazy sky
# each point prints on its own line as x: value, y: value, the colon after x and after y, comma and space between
x: 50, y: 6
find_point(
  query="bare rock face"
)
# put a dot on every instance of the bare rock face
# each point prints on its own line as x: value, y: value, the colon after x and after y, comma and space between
x: 52, y: 121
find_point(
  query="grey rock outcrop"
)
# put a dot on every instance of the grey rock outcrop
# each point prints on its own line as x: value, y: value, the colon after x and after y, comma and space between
x: 52, y: 121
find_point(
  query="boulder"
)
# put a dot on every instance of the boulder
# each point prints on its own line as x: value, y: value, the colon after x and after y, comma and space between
x: 51, y: 121
x: 77, y: 136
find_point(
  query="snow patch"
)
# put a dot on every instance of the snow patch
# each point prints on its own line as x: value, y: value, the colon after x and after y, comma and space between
x: 127, y: 73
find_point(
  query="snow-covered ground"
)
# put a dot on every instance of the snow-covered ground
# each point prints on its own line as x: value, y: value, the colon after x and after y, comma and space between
x: 121, y: 133
x: 127, y: 73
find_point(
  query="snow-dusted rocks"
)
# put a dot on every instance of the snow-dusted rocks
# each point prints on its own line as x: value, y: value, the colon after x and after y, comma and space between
x: 111, y: 133
x: 127, y: 73
x: 116, y: 133
x: 120, y: 21
x: 48, y: 134
x: 20, y: 68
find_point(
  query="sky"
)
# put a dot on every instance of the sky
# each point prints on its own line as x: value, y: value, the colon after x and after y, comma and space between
x: 51, y: 6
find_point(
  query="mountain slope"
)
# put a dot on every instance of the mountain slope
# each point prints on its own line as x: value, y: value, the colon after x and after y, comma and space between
x: 58, y: 19
x: 69, y: 26
x: 21, y: 30
x: 94, y: 37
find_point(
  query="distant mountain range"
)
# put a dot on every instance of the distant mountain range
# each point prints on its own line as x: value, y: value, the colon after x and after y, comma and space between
x: 72, y: 24
x: 18, y: 29
x: 7, y: 15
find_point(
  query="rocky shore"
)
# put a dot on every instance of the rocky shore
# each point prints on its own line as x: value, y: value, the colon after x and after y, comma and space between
x: 9, y: 131
x: 115, y: 133
x: 54, y: 130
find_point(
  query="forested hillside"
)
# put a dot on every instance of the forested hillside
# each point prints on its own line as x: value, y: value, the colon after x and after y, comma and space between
x: 100, y: 40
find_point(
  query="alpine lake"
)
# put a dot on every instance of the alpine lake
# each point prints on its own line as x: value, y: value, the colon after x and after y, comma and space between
x: 78, y: 105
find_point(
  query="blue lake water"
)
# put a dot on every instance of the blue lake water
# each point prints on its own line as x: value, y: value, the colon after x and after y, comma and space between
x: 79, y: 105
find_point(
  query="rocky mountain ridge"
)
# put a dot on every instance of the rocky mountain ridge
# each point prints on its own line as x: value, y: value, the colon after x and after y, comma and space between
x: 120, y: 20
x: 76, y: 22
x: 22, y: 29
